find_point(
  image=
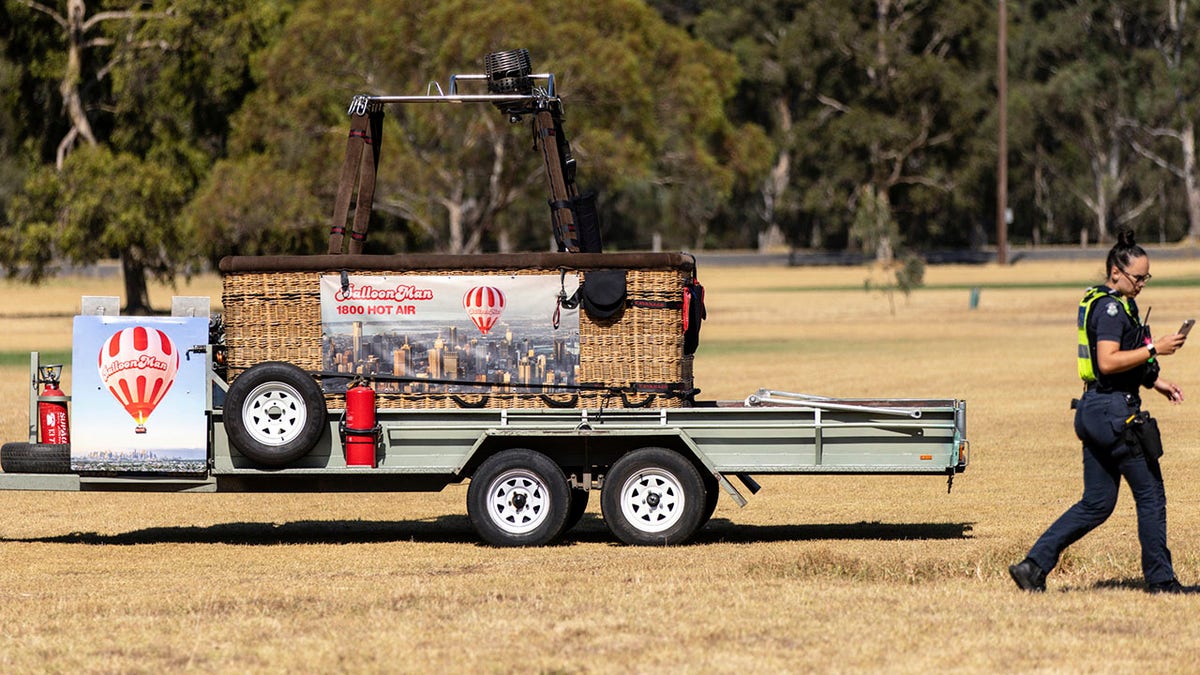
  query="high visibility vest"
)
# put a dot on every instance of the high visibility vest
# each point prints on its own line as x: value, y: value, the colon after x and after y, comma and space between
x: 1087, y: 366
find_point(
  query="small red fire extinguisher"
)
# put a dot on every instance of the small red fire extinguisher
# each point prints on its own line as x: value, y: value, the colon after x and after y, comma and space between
x: 53, y: 425
x: 358, y: 429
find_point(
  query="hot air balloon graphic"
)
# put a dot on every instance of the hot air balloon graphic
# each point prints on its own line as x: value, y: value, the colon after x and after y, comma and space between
x: 138, y: 366
x: 484, y: 304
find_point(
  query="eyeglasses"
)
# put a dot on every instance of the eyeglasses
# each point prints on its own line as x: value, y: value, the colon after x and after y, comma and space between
x: 1137, y: 278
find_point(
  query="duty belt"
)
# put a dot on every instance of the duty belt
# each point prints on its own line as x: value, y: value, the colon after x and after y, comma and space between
x: 1130, y: 396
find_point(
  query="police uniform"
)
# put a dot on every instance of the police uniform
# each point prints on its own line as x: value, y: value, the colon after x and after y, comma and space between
x: 1108, y: 404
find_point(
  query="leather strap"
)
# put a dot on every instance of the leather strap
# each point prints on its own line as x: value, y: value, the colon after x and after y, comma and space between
x: 546, y: 132
x: 366, y: 131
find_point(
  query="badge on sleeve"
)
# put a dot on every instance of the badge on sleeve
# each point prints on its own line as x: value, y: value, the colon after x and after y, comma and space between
x: 1112, y: 309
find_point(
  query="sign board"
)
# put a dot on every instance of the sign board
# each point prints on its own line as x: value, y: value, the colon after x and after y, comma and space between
x: 138, y: 401
x: 468, y: 334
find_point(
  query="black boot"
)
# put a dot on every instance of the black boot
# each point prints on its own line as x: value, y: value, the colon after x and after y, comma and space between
x: 1169, y: 586
x: 1028, y: 576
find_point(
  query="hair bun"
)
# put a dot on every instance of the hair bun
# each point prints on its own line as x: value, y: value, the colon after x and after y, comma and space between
x: 1125, y: 238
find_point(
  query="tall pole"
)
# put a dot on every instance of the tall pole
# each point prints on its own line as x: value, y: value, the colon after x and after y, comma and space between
x: 1002, y: 136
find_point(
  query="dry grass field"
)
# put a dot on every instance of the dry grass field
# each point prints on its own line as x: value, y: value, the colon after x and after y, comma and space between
x: 816, y: 574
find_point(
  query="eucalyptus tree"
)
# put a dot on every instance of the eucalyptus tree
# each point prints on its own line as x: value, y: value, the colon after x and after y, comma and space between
x: 1163, y: 125
x: 10, y: 125
x: 126, y: 108
x: 1105, y: 83
x: 644, y: 115
x: 873, y: 107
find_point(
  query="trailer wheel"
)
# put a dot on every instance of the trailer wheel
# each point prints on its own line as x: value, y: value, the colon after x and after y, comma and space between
x: 23, y: 457
x: 578, y: 506
x: 653, y: 496
x: 518, y: 497
x: 274, y: 413
x: 712, y: 490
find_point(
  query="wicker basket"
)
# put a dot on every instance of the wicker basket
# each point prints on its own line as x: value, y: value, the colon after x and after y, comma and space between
x: 273, y: 313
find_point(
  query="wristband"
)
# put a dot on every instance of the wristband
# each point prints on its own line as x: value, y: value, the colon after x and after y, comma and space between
x: 1153, y: 351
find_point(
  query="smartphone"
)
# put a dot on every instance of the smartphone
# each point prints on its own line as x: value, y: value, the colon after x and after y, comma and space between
x: 1187, y: 325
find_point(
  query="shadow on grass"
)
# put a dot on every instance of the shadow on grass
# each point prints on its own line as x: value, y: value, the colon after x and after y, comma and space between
x: 445, y: 529
x: 456, y: 529
x: 721, y: 530
x: 1133, y: 584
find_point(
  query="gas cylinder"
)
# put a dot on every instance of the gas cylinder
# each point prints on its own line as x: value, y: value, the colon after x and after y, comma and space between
x: 359, y: 430
x: 53, y: 427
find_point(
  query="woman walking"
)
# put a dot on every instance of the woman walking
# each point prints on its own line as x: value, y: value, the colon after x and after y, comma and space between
x: 1116, y: 358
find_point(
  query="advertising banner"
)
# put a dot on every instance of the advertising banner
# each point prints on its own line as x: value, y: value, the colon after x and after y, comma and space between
x: 138, y: 401
x: 455, y: 334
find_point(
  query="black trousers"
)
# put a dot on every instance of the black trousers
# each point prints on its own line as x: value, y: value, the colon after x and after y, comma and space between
x: 1106, y: 459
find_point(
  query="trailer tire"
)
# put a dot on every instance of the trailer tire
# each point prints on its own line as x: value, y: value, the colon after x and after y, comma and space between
x: 518, y: 497
x: 274, y: 413
x: 712, y: 490
x: 653, y: 496
x: 577, y: 507
x: 23, y: 457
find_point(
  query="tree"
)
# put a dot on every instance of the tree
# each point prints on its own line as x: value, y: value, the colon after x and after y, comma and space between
x: 643, y: 105
x: 146, y: 90
x: 871, y: 97
x: 100, y: 202
x: 1164, y: 129
x: 761, y: 35
x: 1110, y: 91
x: 10, y: 127
x: 1082, y: 87
x: 82, y: 34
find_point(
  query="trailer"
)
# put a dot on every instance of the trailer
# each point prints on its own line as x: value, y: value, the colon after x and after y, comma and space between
x: 537, y: 378
x: 658, y: 472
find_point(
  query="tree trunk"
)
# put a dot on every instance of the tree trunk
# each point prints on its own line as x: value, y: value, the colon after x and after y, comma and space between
x: 71, y: 81
x: 137, y: 293
x: 456, y: 218
x: 1190, y: 179
x: 701, y: 235
x: 885, y: 251
x: 780, y: 177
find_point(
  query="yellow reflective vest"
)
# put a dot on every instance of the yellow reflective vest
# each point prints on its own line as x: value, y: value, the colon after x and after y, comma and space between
x: 1087, y: 365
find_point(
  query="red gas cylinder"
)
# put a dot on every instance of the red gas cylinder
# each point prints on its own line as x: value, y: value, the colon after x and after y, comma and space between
x: 53, y: 427
x: 359, y: 430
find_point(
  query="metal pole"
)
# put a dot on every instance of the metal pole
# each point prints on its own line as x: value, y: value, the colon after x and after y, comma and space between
x: 1002, y: 136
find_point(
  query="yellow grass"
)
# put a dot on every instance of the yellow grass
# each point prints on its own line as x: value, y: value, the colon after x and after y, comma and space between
x: 816, y: 574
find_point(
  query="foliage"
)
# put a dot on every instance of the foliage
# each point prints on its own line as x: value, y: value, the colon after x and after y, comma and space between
x: 1106, y: 100
x: 643, y: 104
x: 132, y: 108
x: 703, y: 122
x: 874, y: 94
x: 99, y: 203
x: 875, y: 230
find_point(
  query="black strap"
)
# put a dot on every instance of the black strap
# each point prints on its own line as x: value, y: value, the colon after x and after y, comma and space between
x: 654, y: 304
x: 551, y: 403
x: 464, y: 403
x: 562, y: 189
x: 359, y: 167
x: 366, y: 181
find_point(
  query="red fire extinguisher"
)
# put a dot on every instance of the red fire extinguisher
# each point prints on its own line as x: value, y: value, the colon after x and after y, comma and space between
x: 358, y: 429
x: 53, y: 425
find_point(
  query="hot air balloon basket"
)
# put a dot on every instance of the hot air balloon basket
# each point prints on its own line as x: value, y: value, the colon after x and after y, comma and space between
x: 634, y: 358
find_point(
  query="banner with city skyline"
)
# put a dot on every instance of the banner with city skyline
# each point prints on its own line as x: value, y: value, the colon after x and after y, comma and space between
x: 454, y: 334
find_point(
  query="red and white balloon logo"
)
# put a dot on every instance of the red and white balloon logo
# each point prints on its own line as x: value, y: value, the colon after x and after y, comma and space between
x: 138, y: 366
x: 484, y: 304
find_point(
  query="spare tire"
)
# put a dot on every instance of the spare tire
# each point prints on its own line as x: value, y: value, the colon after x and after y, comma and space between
x: 35, y: 458
x: 274, y: 413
